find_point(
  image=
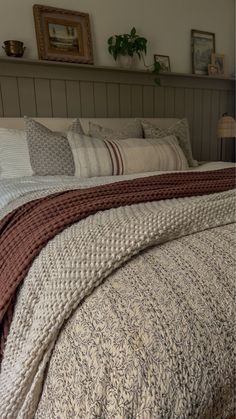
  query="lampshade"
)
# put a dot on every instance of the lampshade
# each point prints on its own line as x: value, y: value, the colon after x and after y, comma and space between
x: 226, y: 127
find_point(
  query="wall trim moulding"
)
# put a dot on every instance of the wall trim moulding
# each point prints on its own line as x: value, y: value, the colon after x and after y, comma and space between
x: 21, y: 66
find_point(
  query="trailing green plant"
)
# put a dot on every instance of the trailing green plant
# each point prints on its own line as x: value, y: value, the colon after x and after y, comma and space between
x: 131, y: 44
x: 127, y: 44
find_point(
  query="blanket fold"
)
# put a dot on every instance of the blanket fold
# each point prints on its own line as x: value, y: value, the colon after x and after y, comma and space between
x: 26, y: 230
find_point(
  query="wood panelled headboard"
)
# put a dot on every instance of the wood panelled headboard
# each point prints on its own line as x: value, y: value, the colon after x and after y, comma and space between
x: 51, y: 89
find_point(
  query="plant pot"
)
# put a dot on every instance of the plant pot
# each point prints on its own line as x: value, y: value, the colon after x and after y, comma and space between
x: 126, y: 61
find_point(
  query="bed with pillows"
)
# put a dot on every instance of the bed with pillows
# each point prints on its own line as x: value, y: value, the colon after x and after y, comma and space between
x: 117, y: 267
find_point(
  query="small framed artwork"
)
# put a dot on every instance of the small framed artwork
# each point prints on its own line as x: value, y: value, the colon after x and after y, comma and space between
x: 164, y: 61
x: 219, y: 61
x: 213, y: 70
x: 203, y: 45
x: 63, y: 35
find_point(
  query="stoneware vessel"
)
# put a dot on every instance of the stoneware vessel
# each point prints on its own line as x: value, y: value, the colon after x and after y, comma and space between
x: 14, y: 48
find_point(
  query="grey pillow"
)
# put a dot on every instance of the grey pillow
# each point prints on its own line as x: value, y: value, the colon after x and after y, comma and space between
x: 180, y: 129
x: 133, y: 129
x: 50, y: 152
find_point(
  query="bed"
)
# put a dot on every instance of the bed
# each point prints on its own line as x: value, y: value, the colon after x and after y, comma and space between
x: 125, y: 307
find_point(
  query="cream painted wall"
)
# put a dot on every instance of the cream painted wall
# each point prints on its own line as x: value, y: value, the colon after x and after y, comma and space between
x: 165, y: 23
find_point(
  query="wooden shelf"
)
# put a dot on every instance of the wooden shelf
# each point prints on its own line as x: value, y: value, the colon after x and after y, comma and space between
x: 105, y: 68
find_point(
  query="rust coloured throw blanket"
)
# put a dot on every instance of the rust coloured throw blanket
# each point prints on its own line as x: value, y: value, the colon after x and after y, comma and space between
x: 27, y: 229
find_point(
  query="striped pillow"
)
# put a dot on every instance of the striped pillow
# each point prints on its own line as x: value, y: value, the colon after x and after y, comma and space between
x: 95, y: 157
x: 14, y: 154
x: 180, y: 129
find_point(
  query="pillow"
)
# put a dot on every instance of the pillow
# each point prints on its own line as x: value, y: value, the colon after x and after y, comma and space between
x: 180, y: 129
x: 50, y: 152
x: 14, y: 154
x: 132, y: 130
x: 95, y: 157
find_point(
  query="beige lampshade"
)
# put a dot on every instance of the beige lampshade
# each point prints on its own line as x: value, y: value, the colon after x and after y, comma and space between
x: 226, y: 127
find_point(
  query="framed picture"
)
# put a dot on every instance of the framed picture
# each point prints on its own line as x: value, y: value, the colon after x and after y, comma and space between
x: 164, y: 61
x: 219, y: 61
x: 203, y: 45
x: 63, y: 35
x: 213, y: 70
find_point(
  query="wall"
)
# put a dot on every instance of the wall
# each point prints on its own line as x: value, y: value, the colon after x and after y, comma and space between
x: 165, y: 23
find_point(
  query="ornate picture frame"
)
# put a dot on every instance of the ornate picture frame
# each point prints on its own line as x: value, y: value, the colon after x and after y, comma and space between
x: 203, y: 45
x: 164, y: 61
x: 63, y: 35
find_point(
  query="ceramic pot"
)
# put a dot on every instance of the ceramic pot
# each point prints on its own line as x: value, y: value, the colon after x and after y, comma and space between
x: 126, y: 61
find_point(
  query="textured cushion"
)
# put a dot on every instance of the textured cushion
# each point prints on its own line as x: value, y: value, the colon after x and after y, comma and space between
x: 95, y: 157
x: 14, y: 154
x: 132, y: 130
x: 180, y: 129
x: 50, y: 152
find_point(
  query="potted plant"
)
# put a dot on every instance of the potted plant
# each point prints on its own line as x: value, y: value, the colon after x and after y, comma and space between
x: 125, y: 47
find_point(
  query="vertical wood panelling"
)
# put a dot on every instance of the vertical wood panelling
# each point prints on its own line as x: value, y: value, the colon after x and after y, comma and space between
x: 100, y: 100
x: 136, y: 101
x: 46, y: 91
x: 159, y: 102
x: 10, y: 96
x: 197, y: 124
x: 125, y: 101
x: 229, y: 144
x: 27, y: 96
x: 73, y: 98
x: 59, y: 99
x: 148, y: 101
x: 223, y: 109
x: 113, y: 101
x: 231, y: 103
x: 169, y: 102
x: 214, y: 141
x: 206, y: 125
x: 179, y: 102
x: 189, y: 110
x: 87, y: 99
x: 1, y: 105
x: 43, y: 97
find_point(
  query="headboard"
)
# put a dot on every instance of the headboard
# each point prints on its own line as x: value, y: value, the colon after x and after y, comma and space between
x: 50, y: 89
x: 61, y: 124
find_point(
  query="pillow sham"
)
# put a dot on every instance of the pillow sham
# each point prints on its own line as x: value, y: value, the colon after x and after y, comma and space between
x: 96, y: 157
x: 49, y: 151
x: 132, y: 130
x: 180, y: 129
x: 14, y: 154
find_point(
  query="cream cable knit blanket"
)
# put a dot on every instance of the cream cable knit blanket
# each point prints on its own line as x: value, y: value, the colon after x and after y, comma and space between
x: 76, y: 262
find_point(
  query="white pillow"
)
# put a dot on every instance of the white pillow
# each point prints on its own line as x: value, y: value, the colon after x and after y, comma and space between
x: 14, y: 154
x: 96, y: 157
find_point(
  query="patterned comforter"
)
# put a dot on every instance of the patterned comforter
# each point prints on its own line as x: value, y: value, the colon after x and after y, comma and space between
x: 155, y: 339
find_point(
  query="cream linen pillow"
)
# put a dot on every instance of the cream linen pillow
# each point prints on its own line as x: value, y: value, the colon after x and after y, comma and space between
x: 95, y: 157
x: 180, y: 129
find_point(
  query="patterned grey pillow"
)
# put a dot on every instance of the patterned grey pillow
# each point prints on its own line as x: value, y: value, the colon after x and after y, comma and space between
x: 50, y: 152
x: 180, y: 129
x: 132, y: 130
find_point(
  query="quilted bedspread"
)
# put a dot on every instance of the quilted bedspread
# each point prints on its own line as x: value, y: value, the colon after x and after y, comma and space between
x: 152, y: 339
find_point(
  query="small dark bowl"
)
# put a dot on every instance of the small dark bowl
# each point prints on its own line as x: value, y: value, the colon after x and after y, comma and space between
x: 14, y: 48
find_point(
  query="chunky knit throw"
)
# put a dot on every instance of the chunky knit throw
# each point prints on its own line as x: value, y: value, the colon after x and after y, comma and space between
x: 124, y: 233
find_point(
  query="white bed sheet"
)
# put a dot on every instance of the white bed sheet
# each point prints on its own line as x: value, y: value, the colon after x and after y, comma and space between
x: 13, y: 188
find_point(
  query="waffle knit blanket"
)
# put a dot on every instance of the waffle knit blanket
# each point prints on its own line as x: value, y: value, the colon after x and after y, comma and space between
x: 124, y: 233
